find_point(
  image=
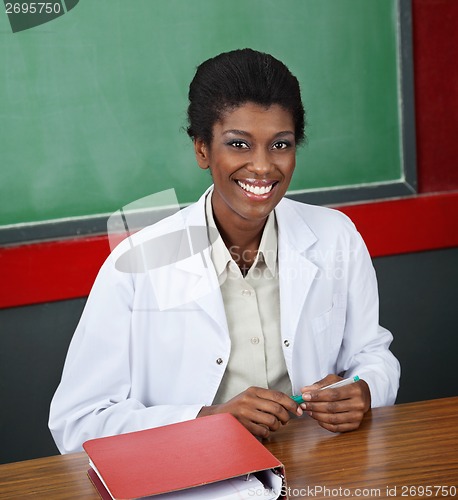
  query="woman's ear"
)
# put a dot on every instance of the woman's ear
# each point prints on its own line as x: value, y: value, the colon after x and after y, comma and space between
x: 202, y: 153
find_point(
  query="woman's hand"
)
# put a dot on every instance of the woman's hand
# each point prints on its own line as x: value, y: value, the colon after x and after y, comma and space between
x: 261, y: 411
x: 340, y: 409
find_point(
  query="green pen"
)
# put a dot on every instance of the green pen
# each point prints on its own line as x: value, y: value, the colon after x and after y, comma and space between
x: 346, y: 381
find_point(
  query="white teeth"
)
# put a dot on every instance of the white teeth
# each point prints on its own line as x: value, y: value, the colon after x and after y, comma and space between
x: 255, y: 189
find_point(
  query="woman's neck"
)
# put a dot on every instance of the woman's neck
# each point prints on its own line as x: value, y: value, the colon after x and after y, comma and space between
x: 242, y: 241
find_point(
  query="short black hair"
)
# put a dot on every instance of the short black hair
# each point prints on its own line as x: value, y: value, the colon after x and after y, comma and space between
x: 234, y: 78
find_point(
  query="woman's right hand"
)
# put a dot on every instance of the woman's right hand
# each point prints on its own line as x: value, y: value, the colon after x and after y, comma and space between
x: 261, y: 411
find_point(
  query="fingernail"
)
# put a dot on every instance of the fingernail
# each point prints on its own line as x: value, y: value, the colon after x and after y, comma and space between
x: 299, y: 411
x: 307, y: 396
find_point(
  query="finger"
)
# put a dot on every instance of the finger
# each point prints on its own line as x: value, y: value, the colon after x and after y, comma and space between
x: 258, y: 430
x: 329, y: 406
x: 269, y: 407
x: 340, y: 427
x: 325, y: 395
x: 338, y: 422
x: 310, y: 388
x: 259, y: 417
x: 281, y: 399
x: 328, y: 380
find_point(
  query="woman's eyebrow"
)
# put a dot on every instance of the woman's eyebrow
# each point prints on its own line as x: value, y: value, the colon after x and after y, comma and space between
x: 236, y: 132
x: 285, y: 132
x: 245, y: 133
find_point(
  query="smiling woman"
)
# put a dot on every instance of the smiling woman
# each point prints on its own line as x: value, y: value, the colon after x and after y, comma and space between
x: 283, y: 300
x: 246, y: 118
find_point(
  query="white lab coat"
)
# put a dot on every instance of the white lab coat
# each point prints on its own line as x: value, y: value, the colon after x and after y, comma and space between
x: 151, y: 347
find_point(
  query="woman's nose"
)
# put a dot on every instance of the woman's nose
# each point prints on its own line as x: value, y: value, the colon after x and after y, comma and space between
x: 261, y: 163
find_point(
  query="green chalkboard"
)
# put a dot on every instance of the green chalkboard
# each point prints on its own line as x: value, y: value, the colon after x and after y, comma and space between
x: 93, y: 102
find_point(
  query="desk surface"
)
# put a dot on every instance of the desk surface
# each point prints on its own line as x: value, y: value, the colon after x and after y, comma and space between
x: 397, y: 451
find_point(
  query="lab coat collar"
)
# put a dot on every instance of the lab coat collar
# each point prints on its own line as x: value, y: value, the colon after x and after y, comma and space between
x: 296, y: 271
x: 292, y: 227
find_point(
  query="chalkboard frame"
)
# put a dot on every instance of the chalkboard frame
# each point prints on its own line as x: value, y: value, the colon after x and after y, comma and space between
x: 97, y: 224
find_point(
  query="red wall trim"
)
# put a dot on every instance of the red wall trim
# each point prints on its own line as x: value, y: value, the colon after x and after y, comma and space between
x: 424, y: 222
x: 50, y: 271
x: 66, y: 269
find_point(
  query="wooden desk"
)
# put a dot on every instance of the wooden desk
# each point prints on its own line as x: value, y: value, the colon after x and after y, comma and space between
x: 397, y: 447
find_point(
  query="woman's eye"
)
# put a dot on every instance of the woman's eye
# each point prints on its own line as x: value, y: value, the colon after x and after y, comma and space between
x: 281, y: 145
x: 239, y: 144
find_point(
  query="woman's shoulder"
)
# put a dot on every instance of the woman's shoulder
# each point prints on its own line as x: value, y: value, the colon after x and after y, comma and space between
x: 306, y: 225
x: 167, y: 231
x: 314, y: 216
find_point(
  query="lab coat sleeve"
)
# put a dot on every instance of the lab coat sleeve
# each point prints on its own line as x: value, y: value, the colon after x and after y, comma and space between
x: 365, y: 349
x: 93, y: 398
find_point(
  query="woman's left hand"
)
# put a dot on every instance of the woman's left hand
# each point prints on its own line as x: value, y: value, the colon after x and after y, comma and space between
x: 337, y: 410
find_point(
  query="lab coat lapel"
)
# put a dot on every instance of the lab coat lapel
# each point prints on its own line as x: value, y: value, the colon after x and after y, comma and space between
x: 198, y: 272
x: 296, y: 272
x: 198, y: 279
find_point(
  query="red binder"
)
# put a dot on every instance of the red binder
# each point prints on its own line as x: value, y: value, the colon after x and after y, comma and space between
x: 181, y: 456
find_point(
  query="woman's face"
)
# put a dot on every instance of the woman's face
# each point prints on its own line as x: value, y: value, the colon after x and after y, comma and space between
x: 251, y: 158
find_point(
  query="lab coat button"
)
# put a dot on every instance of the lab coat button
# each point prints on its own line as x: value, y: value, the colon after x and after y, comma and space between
x: 246, y: 293
x: 286, y: 342
x: 255, y: 340
x: 219, y: 361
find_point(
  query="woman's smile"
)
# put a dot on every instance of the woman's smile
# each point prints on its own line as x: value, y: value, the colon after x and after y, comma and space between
x: 257, y: 189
